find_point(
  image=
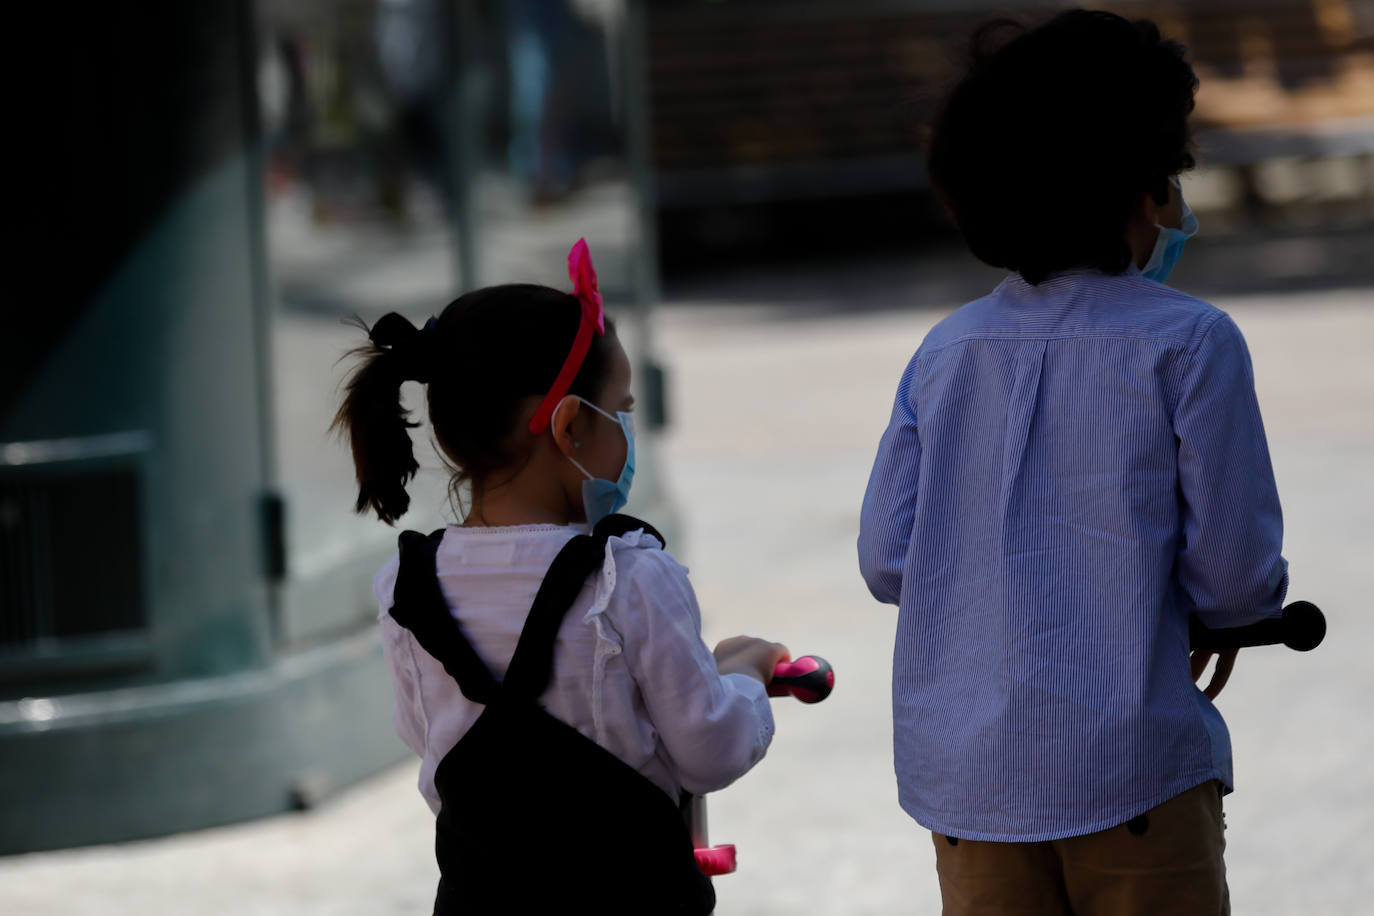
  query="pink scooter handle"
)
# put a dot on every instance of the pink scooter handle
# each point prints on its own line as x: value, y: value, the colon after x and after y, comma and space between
x: 809, y: 679
x: 715, y: 861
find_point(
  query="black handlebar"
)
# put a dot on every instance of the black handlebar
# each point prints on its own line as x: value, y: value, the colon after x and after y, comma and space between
x: 1302, y: 626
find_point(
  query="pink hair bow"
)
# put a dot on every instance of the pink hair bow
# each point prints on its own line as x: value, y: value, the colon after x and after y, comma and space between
x: 593, y: 320
x: 584, y: 285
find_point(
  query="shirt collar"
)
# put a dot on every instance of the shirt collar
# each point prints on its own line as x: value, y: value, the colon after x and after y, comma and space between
x: 1060, y: 276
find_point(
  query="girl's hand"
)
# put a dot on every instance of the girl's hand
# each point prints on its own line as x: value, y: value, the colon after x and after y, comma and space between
x: 747, y: 655
x: 1226, y: 660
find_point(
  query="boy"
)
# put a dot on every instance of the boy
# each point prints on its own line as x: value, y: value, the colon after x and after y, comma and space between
x: 1074, y: 464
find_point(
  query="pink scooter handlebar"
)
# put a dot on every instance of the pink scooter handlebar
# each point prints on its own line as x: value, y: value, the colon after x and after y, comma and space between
x: 809, y: 679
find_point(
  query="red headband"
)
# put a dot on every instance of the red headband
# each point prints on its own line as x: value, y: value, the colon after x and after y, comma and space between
x: 593, y: 319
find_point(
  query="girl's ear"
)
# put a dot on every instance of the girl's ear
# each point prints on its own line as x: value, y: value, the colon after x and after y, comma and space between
x: 560, y: 424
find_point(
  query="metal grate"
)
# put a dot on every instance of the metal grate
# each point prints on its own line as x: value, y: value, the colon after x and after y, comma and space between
x: 71, y: 562
x: 758, y: 89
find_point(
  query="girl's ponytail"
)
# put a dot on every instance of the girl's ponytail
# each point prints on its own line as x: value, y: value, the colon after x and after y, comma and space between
x: 489, y: 357
x: 373, y: 418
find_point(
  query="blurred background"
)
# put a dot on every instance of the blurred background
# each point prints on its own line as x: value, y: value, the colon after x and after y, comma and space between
x: 194, y: 712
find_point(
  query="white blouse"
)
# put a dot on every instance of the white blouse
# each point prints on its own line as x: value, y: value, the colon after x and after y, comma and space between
x: 630, y: 669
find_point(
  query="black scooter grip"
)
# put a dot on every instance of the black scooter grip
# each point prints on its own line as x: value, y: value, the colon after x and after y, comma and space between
x: 809, y: 679
x: 1302, y: 626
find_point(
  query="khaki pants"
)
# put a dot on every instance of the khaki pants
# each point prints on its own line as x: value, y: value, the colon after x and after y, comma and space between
x: 1167, y: 862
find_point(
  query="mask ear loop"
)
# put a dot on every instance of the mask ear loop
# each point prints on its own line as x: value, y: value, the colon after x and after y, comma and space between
x: 1185, y: 212
x: 613, y: 418
x: 578, y: 465
x: 609, y: 416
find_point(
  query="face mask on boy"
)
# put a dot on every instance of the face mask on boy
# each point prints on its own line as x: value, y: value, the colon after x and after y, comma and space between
x: 601, y: 497
x: 1169, y: 245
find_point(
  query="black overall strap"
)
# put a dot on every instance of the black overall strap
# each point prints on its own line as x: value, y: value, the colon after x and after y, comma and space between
x: 531, y: 666
x: 618, y: 525
x: 418, y: 605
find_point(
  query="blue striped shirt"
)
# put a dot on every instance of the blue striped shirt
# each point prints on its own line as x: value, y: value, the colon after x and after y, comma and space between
x: 1069, y: 471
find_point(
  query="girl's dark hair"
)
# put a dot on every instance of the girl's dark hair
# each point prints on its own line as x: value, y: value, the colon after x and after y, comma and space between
x: 482, y: 359
x: 1043, y: 148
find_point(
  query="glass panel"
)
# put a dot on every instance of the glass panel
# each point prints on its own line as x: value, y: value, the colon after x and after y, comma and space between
x: 362, y: 218
x: 551, y: 163
x: 358, y: 186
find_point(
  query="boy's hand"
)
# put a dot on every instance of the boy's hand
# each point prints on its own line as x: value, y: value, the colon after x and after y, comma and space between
x: 746, y: 655
x: 1226, y: 660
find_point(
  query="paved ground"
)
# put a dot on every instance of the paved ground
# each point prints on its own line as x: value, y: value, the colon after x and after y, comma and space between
x: 776, y: 415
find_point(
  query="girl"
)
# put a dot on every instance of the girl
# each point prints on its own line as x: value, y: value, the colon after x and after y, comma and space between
x: 528, y: 391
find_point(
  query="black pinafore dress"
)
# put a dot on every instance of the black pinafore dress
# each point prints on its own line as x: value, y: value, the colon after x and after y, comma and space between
x: 535, y: 817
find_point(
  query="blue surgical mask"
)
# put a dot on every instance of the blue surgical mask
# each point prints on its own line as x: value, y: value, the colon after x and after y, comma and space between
x: 601, y: 498
x: 1169, y: 245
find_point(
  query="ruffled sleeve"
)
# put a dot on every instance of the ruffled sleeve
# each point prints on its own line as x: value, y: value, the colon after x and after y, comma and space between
x: 713, y: 728
x: 408, y: 712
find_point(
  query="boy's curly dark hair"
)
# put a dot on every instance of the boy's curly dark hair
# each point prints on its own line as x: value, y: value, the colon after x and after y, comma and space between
x: 1043, y: 148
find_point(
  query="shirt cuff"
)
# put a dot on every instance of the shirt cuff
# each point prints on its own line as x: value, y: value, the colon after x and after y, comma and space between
x: 757, y: 694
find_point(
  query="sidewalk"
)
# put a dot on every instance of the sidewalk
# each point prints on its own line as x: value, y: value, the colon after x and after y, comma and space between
x: 774, y: 424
